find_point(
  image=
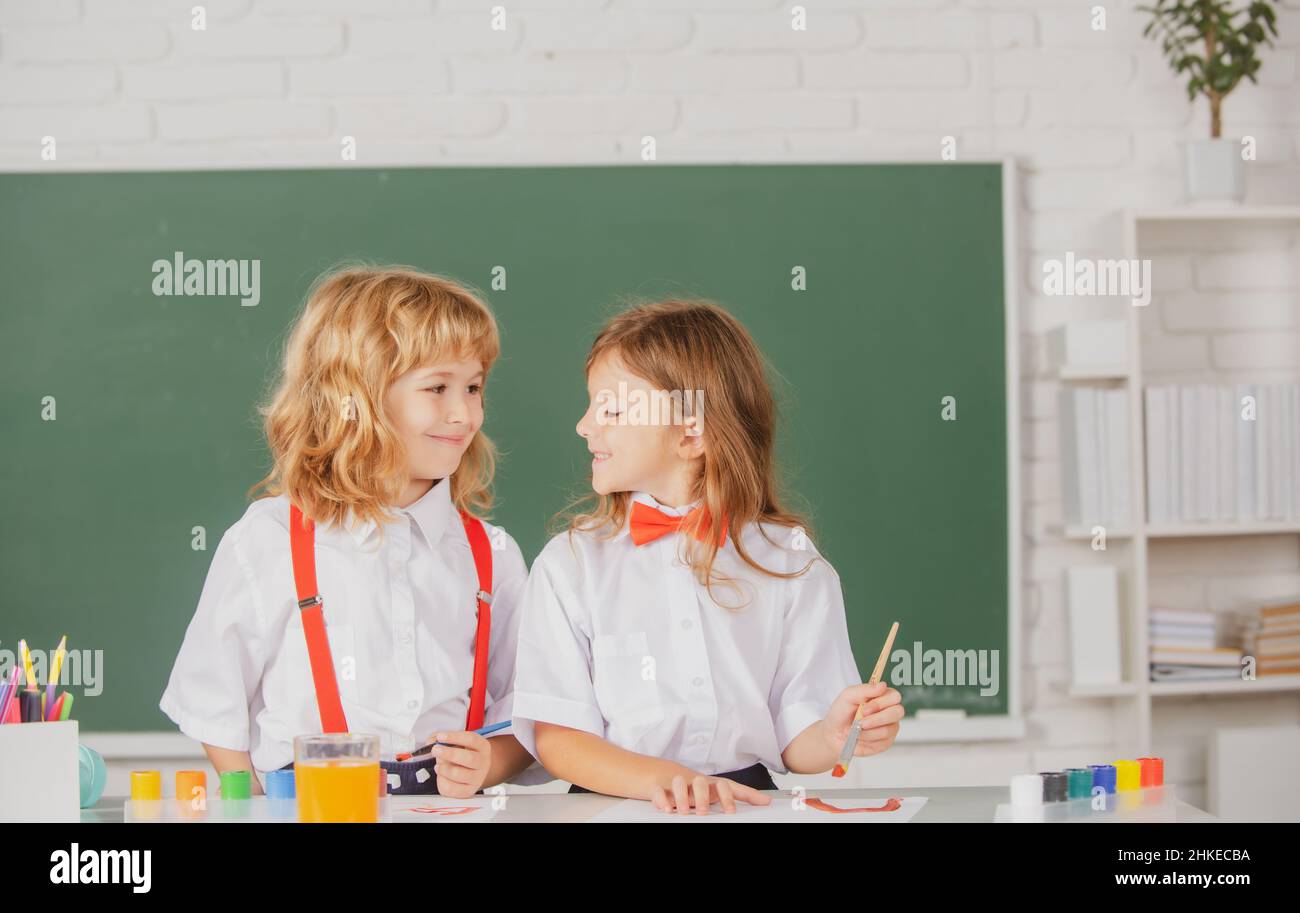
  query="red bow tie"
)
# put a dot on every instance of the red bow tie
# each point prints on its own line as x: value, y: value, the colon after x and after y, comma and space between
x: 648, y: 524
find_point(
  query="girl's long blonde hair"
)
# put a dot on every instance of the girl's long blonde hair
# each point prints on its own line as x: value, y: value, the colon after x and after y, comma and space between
x: 334, y: 449
x: 697, y: 346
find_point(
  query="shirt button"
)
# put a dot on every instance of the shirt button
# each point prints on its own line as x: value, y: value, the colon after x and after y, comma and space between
x: 686, y: 624
x: 697, y: 681
x: 406, y: 637
x: 411, y: 705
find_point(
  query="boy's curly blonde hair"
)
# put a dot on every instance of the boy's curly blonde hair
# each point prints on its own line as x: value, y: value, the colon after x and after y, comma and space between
x: 335, y: 452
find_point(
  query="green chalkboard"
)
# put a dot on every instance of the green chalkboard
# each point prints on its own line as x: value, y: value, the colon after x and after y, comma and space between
x: 154, y: 430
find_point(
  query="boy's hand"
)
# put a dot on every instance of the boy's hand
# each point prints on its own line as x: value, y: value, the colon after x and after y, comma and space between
x: 699, y: 792
x: 462, y: 769
x: 884, y: 708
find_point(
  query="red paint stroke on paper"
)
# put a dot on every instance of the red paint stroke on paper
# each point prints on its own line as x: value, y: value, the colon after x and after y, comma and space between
x: 891, y: 805
x: 444, y: 810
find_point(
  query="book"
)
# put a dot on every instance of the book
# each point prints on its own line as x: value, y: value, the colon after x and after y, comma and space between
x: 1189, y: 450
x: 1261, y: 455
x: 1182, y: 643
x: 1157, y: 436
x: 1101, y: 453
x: 1281, y: 668
x: 1215, y: 453
x: 1217, y: 656
x: 1278, y: 646
x: 1116, y: 452
x: 1290, y: 627
x: 1174, y: 471
x: 1078, y: 458
x: 1247, y: 509
x: 1226, y: 441
x: 1288, y: 609
x: 1173, y: 630
x: 1294, y: 457
x: 1286, y: 432
x: 1183, y: 616
x: 1094, y: 432
x: 1207, y: 452
x: 1167, y: 672
x: 1274, y: 428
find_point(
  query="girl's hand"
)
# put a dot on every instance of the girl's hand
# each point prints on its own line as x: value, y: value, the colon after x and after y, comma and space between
x: 462, y: 769
x: 884, y: 708
x: 699, y: 792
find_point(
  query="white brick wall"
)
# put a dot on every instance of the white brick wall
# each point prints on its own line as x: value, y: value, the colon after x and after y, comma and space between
x: 1094, y: 118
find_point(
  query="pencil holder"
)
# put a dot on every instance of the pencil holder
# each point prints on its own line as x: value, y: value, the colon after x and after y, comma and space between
x: 42, y: 780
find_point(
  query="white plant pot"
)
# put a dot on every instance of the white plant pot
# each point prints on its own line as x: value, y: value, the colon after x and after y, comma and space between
x: 1213, y: 171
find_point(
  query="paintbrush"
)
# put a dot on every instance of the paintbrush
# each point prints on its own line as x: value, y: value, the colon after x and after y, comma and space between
x: 851, y: 743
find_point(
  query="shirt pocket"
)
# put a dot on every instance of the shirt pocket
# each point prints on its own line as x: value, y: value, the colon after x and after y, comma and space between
x: 343, y: 650
x: 625, y: 683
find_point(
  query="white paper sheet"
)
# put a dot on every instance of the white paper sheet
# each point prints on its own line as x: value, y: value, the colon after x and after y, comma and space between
x: 440, y: 809
x: 786, y: 808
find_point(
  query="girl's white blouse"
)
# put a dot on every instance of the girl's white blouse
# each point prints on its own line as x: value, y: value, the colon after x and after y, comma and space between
x: 622, y: 641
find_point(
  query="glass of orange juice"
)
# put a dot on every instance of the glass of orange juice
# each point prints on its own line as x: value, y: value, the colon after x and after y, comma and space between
x: 336, y: 777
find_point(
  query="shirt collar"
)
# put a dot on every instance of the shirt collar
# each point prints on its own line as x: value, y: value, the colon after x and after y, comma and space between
x: 649, y: 500
x: 431, y: 514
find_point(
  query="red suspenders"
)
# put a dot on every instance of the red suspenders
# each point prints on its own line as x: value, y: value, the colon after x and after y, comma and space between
x: 302, y: 543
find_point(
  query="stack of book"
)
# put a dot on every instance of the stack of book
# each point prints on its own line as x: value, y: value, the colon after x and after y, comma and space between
x: 1095, y: 456
x: 1219, y: 453
x: 1185, y: 646
x: 1272, y: 636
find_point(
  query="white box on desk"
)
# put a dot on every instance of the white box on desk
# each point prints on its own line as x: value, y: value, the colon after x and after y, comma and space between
x: 41, y: 779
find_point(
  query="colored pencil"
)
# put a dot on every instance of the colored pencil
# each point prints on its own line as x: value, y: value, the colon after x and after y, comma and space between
x: 55, y: 665
x: 486, y: 730
x: 15, y: 678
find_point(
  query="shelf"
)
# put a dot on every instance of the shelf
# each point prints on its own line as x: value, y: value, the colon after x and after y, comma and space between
x: 1116, y: 689
x: 1219, y: 214
x: 1233, y: 686
x: 1192, y: 530
x: 1074, y: 372
x: 1185, y: 530
x: 1084, y: 533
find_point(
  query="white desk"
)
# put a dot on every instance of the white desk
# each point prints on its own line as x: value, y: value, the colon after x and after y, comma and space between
x: 945, y: 804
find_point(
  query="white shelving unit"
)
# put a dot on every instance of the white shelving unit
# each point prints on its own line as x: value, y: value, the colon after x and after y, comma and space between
x: 1129, y: 547
x: 1271, y: 683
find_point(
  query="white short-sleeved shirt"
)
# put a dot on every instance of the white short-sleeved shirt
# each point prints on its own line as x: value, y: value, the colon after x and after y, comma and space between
x: 401, y: 617
x: 622, y: 641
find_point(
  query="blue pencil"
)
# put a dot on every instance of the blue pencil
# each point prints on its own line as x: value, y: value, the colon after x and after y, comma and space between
x: 486, y: 730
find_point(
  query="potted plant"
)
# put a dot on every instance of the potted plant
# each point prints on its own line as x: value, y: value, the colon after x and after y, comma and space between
x: 1215, y: 43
